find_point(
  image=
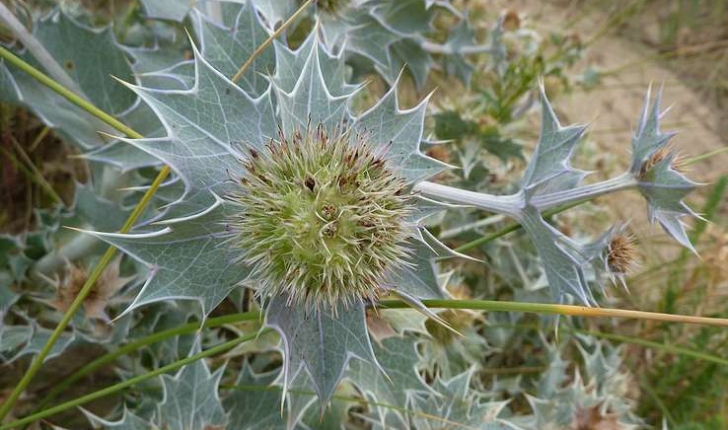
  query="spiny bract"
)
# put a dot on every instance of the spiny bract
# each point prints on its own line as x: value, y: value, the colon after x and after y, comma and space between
x: 321, y: 220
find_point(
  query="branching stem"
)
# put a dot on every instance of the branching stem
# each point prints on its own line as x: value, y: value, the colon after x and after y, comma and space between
x: 584, y: 192
x: 507, y: 205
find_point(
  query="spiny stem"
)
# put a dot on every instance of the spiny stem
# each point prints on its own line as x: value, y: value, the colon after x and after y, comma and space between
x: 259, y: 50
x: 584, y: 192
x: 130, y: 382
x: 502, y: 204
x: 553, y: 211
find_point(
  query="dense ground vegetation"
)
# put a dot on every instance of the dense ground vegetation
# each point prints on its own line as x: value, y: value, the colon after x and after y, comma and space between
x: 354, y: 214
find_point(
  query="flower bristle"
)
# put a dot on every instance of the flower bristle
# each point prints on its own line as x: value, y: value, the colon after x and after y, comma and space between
x: 657, y: 157
x: 322, y: 219
x: 621, y: 254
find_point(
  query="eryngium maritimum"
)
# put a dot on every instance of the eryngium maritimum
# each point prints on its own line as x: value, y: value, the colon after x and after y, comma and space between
x: 321, y: 219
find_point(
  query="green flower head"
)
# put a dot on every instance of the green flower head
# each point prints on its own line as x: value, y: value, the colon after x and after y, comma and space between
x: 321, y: 219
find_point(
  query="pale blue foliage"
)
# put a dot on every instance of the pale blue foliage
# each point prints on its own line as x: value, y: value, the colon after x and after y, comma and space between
x: 550, y: 169
x: 204, y: 127
x: 454, y: 401
x: 208, y: 127
x: 319, y: 342
x: 251, y: 404
x: 81, y: 50
x: 597, y: 399
x: 228, y: 45
x: 399, y: 359
x: 191, y: 400
x: 128, y: 421
x: 550, y: 182
x: 663, y: 187
x: 185, y: 260
x: 18, y: 341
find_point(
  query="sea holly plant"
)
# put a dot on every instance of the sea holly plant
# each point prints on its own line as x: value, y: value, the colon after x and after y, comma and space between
x: 286, y: 197
x: 306, y: 202
x: 551, y: 182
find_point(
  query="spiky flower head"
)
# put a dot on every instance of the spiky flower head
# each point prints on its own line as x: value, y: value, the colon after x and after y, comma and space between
x: 647, y: 169
x: 322, y: 219
x: 621, y: 255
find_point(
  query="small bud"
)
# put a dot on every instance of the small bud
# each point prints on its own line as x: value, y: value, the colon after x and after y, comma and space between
x: 656, y: 158
x: 511, y: 21
x: 621, y: 254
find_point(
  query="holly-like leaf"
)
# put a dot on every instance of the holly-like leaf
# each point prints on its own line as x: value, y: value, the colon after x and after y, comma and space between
x: 319, y: 342
x: 190, y: 400
x: 418, y: 278
x: 186, y: 260
x: 453, y: 403
x: 71, y: 122
x: 128, y: 421
x: 598, y: 402
x: 398, y: 358
x: 21, y: 340
x: 550, y: 169
x: 253, y: 404
x: 204, y: 127
x: 655, y: 167
x: 227, y: 48
x: 386, y: 124
x: 310, y: 101
x: 101, y: 213
x: 89, y: 56
x: 563, y: 264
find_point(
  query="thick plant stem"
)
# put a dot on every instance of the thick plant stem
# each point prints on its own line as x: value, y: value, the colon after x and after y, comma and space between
x: 584, y: 192
x: 511, y: 228
x: 130, y: 382
x: 507, y: 205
